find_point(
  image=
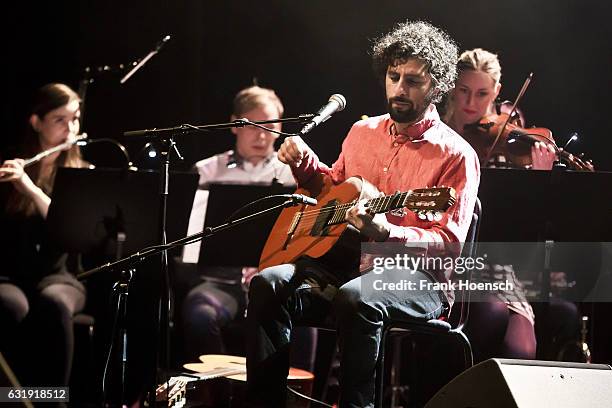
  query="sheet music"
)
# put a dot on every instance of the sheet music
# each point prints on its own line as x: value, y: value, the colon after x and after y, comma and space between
x: 191, y: 252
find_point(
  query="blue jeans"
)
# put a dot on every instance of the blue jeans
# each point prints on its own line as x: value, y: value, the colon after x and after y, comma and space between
x: 279, y: 298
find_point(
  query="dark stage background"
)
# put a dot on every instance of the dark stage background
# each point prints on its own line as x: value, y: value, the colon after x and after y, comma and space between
x: 304, y: 50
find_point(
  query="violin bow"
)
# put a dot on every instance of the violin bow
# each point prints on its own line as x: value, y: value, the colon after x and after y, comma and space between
x: 501, y: 129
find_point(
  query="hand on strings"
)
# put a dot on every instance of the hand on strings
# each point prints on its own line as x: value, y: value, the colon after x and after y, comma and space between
x: 372, y: 225
x: 543, y: 155
x: 292, y: 151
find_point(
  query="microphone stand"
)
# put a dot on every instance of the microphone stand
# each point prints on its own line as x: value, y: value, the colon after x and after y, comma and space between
x: 89, y: 73
x: 127, y: 266
x: 165, y: 138
x: 131, y: 260
x: 187, y: 128
x: 140, y: 63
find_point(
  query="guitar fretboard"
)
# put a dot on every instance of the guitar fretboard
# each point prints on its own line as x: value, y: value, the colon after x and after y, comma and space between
x: 378, y: 205
x: 423, y: 201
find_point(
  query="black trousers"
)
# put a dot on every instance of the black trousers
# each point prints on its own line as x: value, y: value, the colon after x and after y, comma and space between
x: 37, y: 331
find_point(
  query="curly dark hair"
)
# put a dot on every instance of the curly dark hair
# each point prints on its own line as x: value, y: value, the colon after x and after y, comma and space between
x: 421, y: 40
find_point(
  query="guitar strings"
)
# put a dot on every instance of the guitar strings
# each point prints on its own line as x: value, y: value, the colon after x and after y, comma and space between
x: 305, y: 220
x: 384, y: 200
x: 307, y: 215
x: 376, y: 202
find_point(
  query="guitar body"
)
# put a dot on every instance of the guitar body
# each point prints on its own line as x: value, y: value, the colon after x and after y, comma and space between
x: 320, y: 233
x: 301, y: 231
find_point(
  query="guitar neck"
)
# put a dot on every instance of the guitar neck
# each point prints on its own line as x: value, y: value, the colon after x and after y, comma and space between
x: 377, y: 205
x: 388, y: 203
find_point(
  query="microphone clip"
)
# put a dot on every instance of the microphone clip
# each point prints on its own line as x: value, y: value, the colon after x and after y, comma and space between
x: 299, y: 199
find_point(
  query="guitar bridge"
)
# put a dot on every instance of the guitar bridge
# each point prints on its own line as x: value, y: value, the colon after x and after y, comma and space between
x: 294, y: 223
x: 291, y: 230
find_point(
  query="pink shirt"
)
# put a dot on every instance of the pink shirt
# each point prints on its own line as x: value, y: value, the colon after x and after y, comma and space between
x: 429, y: 154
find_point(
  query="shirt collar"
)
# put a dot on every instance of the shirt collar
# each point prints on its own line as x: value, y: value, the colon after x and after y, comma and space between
x: 415, y: 132
x: 235, y: 160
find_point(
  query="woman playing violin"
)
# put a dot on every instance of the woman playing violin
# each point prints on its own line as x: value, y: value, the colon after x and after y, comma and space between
x: 38, y: 296
x: 477, y: 87
x: 503, y: 324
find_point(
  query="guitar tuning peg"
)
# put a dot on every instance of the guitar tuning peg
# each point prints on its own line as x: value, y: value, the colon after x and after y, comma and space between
x: 430, y: 216
x: 421, y: 215
x: 437, y: 216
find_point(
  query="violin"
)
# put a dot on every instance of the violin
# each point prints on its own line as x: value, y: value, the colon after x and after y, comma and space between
x: 514, y: 142
x: 504, y: 134
x: 572, y: 162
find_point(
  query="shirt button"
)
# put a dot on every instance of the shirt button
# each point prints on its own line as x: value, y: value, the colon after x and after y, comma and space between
x: 385, y: 169
x: 395, y: 144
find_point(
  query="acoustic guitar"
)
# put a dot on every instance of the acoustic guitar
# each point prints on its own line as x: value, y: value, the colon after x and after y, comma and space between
x: 234, y: 367
x: 220, y: 378
x: 321, y: 231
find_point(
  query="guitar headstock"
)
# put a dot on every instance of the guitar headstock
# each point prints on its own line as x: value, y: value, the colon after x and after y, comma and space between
x: 430, y: 203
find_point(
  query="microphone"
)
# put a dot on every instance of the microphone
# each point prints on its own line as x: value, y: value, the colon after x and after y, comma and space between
x: 301, y: 199
x: 335, y: 104
x: 573, y: 136
x: 139, y: 64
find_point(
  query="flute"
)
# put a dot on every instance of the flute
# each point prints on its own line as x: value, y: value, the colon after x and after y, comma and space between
x: 63, y: 146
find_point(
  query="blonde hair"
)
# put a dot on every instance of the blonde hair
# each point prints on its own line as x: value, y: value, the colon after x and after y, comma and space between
x: 480, y: 60
x: 255, y: 97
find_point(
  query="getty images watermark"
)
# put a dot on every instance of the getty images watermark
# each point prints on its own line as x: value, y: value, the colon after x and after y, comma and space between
x: 389, y: 266
x: 423, y: 268
x: 525, y: 271
x: 434, y: 265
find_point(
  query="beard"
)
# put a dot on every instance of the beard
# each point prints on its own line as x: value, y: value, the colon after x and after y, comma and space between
x: 412, y: 111
x: 406, y: 115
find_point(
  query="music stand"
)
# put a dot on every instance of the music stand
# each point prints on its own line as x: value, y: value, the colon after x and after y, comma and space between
x: 241, y: 245
x: 89, y: 207
x: 532, y: 206
x: 546, y: 206
x: 116, y: 210
x: 552, y: 207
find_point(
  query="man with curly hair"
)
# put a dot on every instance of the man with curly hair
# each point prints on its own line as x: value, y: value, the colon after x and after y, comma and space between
x: 408, y: 148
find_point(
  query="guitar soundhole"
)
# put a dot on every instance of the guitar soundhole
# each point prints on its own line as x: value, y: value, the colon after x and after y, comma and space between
x: 322, y: 223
